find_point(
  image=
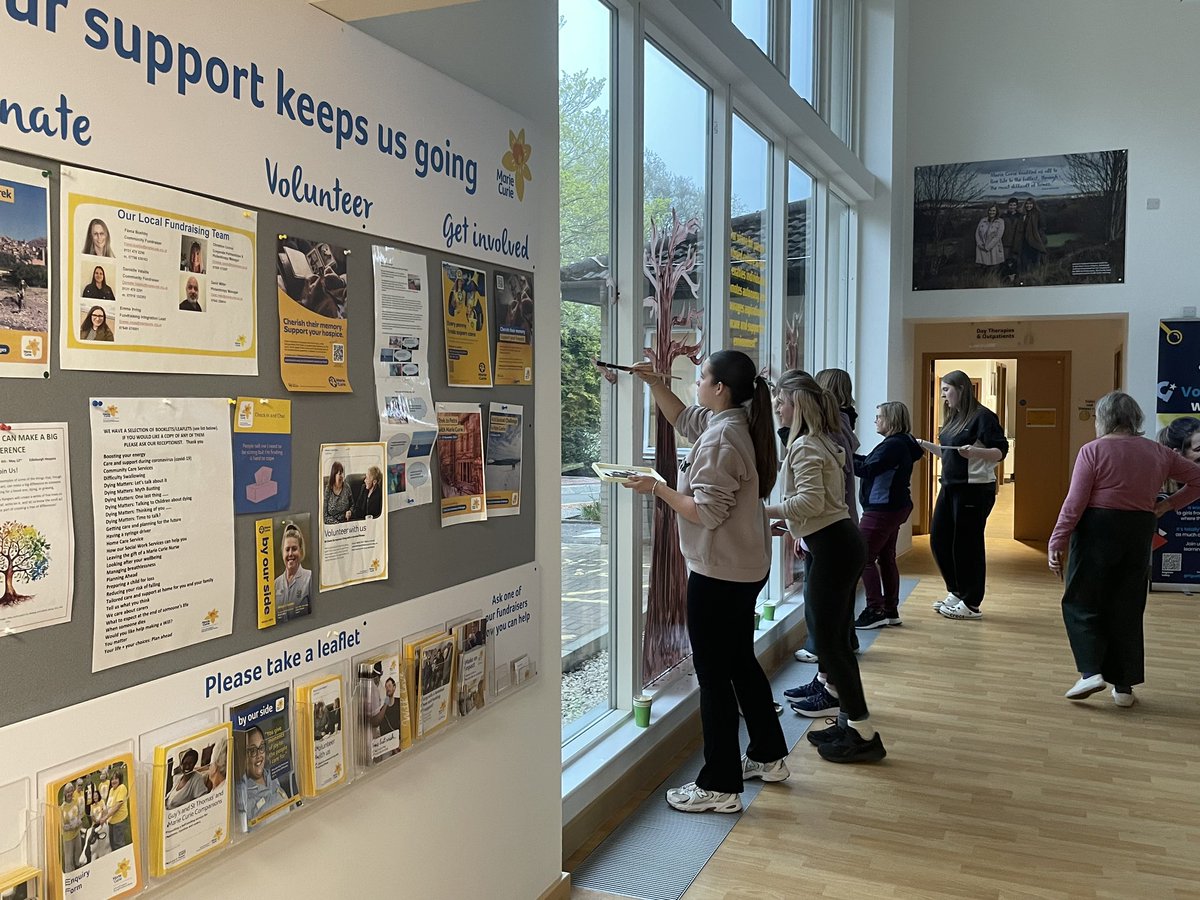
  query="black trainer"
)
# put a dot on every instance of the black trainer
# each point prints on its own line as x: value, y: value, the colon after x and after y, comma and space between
x: 804, y: 690
x: 871, y: 618
x: 825, y: 735
x: 893, y: 616
x: 852, y: 748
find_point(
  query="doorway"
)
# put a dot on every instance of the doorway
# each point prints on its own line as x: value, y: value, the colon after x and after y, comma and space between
x: 1030, y: 393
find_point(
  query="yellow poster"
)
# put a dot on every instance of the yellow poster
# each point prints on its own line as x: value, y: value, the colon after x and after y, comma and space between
x: 312, y: 288
x: 514, y: 328
x: 465, y: 315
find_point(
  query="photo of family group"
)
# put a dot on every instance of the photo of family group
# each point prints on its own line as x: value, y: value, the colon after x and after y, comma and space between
x: 24, y: 274
x: 95, y: 813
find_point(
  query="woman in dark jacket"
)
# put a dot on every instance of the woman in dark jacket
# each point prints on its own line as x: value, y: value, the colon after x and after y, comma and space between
x: 886, y: 474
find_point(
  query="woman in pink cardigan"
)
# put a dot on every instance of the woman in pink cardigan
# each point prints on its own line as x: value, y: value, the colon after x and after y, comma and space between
x: 1109, y: 517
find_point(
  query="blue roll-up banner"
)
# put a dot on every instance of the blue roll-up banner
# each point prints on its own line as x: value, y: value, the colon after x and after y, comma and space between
x: 1175, y: 558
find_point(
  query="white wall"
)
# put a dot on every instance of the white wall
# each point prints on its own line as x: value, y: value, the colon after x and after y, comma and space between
x: 1011, y: 78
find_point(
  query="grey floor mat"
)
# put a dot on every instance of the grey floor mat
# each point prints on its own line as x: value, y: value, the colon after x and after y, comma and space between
x: 656, y: 853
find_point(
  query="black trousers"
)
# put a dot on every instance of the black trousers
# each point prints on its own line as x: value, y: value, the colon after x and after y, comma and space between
x: 838, y: 554
x: 956, y: 538
x: 1105, y: 595
x: 721, y: 627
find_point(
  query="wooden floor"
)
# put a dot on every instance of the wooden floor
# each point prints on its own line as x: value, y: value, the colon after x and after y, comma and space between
x: 995, y: 786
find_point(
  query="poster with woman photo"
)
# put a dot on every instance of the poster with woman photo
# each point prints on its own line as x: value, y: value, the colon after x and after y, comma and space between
x: 26, y: 274
x: 93, y: 845
x: 284, y: 566
x: 312, y: 286
x: 264, y: 771
x: 514, y: 327
x: 1038, y: 220
x: 190, y: 805
x: 354, y: 522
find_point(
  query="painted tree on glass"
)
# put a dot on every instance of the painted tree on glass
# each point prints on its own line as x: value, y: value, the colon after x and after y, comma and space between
x: 669, y: 260
x: 24, y: 556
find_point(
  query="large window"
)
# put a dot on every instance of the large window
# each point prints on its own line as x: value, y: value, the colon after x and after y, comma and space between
x: 837, y: 107
x: 753, y: 19
x: 586, y: 226
x: 802, y: 30
x: 749, y: 242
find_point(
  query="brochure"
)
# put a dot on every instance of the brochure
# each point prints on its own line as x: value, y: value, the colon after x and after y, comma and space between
x: 265, y: 779
x: 189, y: 807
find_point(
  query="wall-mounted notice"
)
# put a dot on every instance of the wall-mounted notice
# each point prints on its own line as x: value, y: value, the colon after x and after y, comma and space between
x: 312, y: 288
x: 284, y: 583
x: 24, y: 272
x: 407, y: 424
x: 514, y: 328
x: 262, y: 455
x: 465, y: 319
x: 502, y: 471
x: 155, y: 280
x: 514, y: 626
x: 460, y: 462
x: 37, y: 539
x: 354, y: 524
x: 162, y: 495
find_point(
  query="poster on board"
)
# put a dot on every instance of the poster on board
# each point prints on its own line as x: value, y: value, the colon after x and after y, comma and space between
x: 460, y: 462
x: 155, y: 280
x: 1003, y: 223
x: 1175, y: 549
x: 313, y: 315
x: 262, y: 455
x: 465, y: 321
x: 354, y: 522
x: 37, y: 538
x: 502, y: 469
x: 162, y: 500
x: 281, y: 561
x: 407, y: 424
x: 514, y: 327
x: 25, y: 272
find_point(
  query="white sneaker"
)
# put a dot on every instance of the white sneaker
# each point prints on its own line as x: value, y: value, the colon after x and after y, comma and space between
x: 1085, y: 687
x: 804, y: 656
x: 772, y: 771
x: 1122, y: 700
x: 959, y: 610
x: 693, y: 798
x: 948, y: 600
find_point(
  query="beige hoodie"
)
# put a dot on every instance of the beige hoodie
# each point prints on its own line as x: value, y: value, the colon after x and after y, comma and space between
x: 814, y: 485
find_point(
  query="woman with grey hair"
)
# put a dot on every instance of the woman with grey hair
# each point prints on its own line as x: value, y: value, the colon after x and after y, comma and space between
x: 1109, y: 517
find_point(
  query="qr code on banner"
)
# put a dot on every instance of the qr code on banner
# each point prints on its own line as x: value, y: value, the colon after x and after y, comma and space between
x: 1172, y: 562
x: 339, y: 353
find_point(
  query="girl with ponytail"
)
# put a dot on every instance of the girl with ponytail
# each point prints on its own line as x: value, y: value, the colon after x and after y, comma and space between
x: 723, y: 537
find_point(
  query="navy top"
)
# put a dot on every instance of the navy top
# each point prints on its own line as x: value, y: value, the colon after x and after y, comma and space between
x: 983, y: 430
x: 886, y: 473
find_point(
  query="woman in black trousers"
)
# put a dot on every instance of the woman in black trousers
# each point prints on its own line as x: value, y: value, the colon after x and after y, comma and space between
x: 971, y: 444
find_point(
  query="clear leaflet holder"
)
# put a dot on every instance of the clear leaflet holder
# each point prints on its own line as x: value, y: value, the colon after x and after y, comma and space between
x: 20, y: 856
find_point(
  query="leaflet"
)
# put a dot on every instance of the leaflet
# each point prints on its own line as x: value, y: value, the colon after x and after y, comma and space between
x: 25, y: 280
x: 354, y: 522
x: 189, y: 806
x: 502, y: 471
x: 460, y: 462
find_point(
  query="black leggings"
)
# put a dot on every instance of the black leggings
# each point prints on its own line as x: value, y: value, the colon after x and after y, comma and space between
x: 838, y: 555
x: 956, y: 538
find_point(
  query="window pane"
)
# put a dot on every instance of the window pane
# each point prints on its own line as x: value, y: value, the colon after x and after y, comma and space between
x: 840, y: 115
x: 800, y: 43
x: 796, y: 311
x: 675, y: 176
x: 753, y: 19
x: 586, y: 163
x: 749, y: 225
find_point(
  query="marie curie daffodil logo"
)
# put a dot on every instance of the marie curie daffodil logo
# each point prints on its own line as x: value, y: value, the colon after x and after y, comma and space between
x: 123, y: 868
x: 516, y: 160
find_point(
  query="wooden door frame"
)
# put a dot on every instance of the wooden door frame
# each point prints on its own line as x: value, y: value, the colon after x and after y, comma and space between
x: 929, y: 395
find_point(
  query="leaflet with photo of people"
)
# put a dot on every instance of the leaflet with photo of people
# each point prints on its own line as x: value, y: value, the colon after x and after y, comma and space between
x: 264, y: 786
x: 514, y: 328
x: 382, y: 700
x: 465, y: 321
x: 320, y: 735
x: 93, y: 845
x: 25, y: 272
x: 312, y: 288
x: 190, y: 809
x: 354, y: 522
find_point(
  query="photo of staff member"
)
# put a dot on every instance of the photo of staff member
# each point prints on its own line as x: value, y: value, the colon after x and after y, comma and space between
x: 97, y: 287
x: 117, y: 809
x: 368, y: 502
x: 191, y: 295
x: 192, y: 253
x: 96, y: 241
x: 257, y: 790
x: 196, y: 774
x: 71, y: 812
x: 94, y: 326
x: 293, y: 587
x: 339, y: 500
x: 380, y: 710
x: 313, y: 273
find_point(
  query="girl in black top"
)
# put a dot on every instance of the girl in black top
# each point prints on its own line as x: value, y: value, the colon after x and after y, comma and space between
x: 971, y: 443
x: 886, y: 498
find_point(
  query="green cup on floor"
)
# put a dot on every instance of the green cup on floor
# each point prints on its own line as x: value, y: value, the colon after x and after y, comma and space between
x: 641, y: 710
x: 768, y: 612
